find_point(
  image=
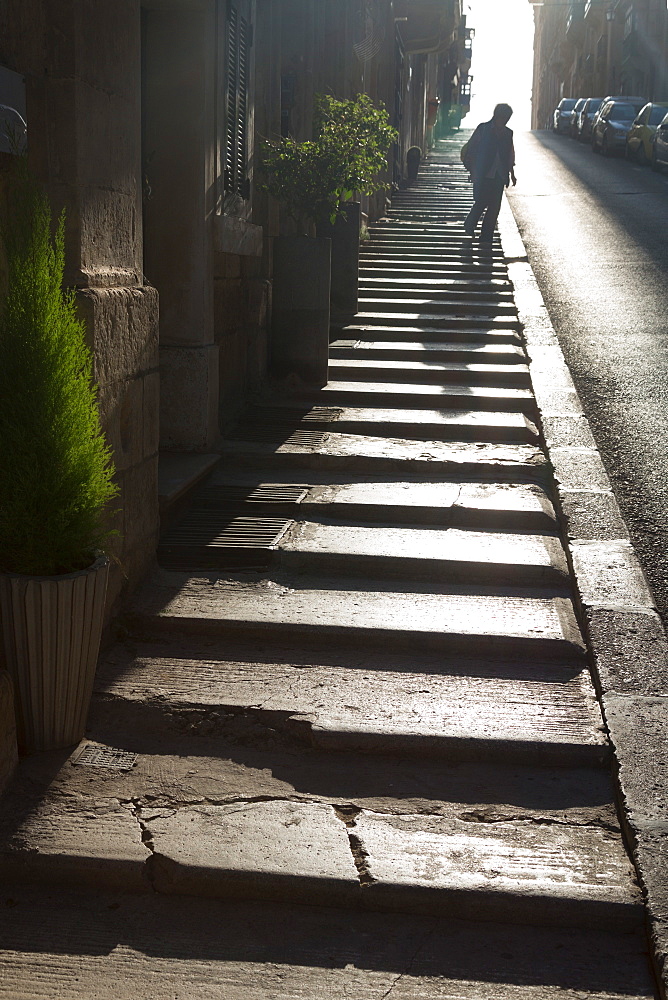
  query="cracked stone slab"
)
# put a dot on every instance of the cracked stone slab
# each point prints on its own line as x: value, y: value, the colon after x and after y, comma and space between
x: 523, y: 872
x: 639, y: 737
x: 267, y: 850
x: 541, y: 626
x: 523, y: 506
x: 76, y: 839
x: 103, y: 946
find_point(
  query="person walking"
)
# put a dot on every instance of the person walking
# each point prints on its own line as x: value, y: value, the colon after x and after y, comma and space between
x: 490, y: 159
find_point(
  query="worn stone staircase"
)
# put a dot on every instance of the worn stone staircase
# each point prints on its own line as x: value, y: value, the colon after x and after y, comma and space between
x: 356, y: 682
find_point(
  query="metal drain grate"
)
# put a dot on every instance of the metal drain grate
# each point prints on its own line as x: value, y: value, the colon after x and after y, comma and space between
x: 119, y: 760
x: 204, y: 527
x: 289, y: 416
x: 272, y: 493
x: 217, y: 538
x: 282, y: 425
x: 267, y: 434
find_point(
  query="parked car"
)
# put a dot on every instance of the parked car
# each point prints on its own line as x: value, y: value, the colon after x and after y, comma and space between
x: 561, y: 119
x: 638, y: 141
x: 659, y: 155
x: 575, y: 117
x: 586, y: 117
x: 612, y: 124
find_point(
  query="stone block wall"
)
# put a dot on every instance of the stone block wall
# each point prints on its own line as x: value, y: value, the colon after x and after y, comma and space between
x: 81, y: 60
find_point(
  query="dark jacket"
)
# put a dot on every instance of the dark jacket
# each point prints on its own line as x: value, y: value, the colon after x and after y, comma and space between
x: 483, y: 146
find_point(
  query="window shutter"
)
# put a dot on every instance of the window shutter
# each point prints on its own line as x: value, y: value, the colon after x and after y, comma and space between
x: 239, y: 40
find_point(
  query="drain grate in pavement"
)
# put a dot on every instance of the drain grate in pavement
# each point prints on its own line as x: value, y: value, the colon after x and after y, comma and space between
x: 283, y: 425
x: 204, y: 527
x: 219, y: 539
x: 119, y: 760
x: 279, y: 435
x: 223, y: 496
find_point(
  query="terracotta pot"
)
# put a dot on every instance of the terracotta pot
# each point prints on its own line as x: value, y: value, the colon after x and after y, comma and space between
x: 51, y: 630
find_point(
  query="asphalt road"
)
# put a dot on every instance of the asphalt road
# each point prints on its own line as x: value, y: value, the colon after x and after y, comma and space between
x: 596, y: 232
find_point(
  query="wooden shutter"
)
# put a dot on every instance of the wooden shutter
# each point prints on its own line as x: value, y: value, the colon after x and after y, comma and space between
x: 239, y: 40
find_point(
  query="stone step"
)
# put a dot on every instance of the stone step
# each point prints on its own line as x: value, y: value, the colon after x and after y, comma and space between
x: 487, y: 286
x: 447, y: 620
x: 494, y: 711
x: 406, y: 553
x: 447, y: 321
x: 478, y: 334
x: 404, y: 395
x: 287, y: 951
x: 431, y: 425
x: 430, y: 307
x: 429, y: 270
x: 276, y: 424
x: 494, y: 506
x: 377, y: 456
x: 294, y: 849
x: 361, y: 369
x: 472, y: 505
x: 443, y: 351
x: 396, y: 290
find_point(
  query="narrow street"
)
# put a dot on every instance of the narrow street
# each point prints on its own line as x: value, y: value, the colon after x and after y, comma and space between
x: 347, y: 743
x: 595, y: 232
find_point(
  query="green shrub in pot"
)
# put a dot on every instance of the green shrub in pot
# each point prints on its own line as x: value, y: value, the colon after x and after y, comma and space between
x: 56, y: 481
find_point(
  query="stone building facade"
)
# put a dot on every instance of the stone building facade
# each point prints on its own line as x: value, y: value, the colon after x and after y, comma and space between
x: 598, y: 47
x: 143, y: 122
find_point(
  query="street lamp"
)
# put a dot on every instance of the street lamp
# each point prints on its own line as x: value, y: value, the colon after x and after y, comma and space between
x: 610, y: 13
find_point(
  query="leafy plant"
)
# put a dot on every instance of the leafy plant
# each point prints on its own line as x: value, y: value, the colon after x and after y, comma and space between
x: 362, y: 133
x: 348, y: 151
x: 55, y: 467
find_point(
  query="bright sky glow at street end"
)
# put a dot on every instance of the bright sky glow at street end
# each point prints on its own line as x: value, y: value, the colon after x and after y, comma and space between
x: 502, y: 59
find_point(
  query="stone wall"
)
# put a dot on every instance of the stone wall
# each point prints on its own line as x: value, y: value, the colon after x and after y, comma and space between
x: 81, y: 60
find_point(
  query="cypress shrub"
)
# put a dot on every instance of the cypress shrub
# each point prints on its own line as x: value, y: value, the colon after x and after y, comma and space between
x: 55, y: 467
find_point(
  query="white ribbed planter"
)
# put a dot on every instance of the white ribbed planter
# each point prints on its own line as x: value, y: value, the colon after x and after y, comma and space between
x: 51, y: 630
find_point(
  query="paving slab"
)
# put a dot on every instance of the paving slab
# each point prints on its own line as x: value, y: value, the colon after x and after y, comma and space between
x: 430, y: 619
x: 264, y: 850
x: 500, y: 871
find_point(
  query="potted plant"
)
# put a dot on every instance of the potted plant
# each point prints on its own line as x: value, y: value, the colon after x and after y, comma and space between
x: 316, y: 180
x: 55, y: 482
x: 303, y: 176
x: 362, y: 135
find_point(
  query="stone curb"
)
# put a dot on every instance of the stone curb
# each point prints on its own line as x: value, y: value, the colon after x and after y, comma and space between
x: 627, y: 644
